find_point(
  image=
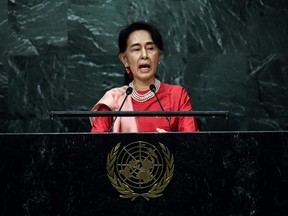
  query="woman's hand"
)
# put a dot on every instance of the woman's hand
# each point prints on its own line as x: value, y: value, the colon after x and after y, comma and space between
x: 160, y: 130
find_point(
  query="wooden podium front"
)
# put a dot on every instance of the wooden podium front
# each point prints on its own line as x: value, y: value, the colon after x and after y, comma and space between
x: 218, y: 173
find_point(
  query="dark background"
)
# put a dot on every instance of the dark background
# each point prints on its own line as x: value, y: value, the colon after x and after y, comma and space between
x: 62, y: 55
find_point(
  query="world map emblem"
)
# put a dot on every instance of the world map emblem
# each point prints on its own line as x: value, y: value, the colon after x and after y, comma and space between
x: 140, y: 169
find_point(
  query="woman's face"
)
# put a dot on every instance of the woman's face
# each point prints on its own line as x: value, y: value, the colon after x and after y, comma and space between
x: 142, y: 55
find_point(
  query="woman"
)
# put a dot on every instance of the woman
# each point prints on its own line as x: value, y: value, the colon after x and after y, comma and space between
x: 140, y: 50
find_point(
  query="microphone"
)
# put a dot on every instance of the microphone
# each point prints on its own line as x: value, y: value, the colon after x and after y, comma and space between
x: 153, y: 89
x: 128, y: 92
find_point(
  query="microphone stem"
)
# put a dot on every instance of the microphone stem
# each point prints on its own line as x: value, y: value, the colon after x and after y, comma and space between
x: 169, y: 123
x: 128, y: 92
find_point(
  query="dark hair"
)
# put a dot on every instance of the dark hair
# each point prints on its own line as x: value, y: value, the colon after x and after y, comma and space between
x: 140, y: 25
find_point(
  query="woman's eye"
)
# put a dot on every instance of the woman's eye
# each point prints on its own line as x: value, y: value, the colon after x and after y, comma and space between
x: 135, y: 49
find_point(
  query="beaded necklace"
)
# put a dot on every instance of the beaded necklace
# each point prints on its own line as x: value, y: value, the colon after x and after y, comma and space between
x: 144, y: 97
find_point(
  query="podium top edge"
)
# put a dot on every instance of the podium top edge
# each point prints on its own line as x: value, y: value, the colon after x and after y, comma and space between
x: 56, y: 114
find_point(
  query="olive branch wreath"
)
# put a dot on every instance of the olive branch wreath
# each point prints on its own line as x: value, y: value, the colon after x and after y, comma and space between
x: 125, y: 190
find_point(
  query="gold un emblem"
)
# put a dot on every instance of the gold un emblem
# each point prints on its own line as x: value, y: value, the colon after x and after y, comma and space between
x: 140, y: 169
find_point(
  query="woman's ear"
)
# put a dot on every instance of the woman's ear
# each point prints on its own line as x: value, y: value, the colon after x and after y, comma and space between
x: 160, y: 58
x: 123, y: 59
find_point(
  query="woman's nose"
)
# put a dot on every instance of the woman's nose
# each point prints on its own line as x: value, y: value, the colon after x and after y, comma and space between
x: 144, y: 54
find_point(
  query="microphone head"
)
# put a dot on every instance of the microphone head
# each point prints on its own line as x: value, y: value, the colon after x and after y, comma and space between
x: 129, y: 90
x: 152, y: 88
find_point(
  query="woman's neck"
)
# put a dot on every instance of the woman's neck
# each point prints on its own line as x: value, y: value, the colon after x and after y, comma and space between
x: 140, y: 85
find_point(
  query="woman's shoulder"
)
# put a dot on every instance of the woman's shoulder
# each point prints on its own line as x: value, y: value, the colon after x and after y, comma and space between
x: 172, y: 89
x: 118, y: 91
x: 111, y: 98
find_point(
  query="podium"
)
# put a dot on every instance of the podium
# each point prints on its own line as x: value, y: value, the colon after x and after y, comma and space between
x: 204, y: 173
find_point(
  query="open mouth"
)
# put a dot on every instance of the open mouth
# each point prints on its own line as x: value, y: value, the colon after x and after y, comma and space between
x: 144, y: 67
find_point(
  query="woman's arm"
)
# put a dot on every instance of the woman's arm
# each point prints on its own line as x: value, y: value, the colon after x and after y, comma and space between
x: 102, y: 124
x: 186, y: 123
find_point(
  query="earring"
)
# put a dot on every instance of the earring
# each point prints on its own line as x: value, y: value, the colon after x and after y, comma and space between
x: 128, y: 71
